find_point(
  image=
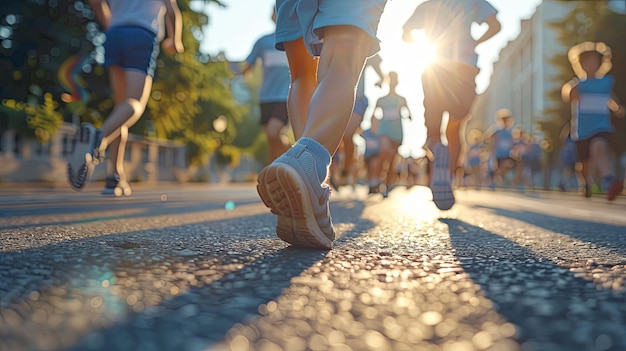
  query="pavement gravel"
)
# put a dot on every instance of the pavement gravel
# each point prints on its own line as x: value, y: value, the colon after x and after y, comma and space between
x: 500, y: 271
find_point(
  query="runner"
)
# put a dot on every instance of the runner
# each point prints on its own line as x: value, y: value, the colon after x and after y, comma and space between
x: 134, y: 29
x: 449, y: 81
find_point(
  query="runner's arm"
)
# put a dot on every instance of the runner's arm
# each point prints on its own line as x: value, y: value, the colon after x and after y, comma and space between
x: 102, y: 11
x: 174, y: 26
x: 494, y: 28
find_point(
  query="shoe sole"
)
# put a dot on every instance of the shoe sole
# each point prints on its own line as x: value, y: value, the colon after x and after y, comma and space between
x: 615, y: 189
x: 282, y: 190
x: 443, y: 197
x: 86, y: 134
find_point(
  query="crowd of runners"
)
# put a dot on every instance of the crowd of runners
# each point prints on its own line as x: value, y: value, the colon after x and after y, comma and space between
x: 313, y: 82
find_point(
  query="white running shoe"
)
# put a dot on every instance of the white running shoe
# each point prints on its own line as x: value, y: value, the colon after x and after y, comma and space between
x: 81, y: 162
x: 290, y: 187
x: 441, y: 179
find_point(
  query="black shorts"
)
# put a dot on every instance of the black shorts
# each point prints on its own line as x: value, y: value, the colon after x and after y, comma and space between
x: 582, y: 146
x: 276, y: 110
x: 448, y: 86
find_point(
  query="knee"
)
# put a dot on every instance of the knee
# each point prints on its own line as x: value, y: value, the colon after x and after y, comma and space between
x: 136, y: 106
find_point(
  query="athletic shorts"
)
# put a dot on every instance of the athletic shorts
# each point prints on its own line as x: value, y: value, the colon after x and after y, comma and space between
x: 392, y: 129
x: 582, y: 146
x: 360, y: 105
x: 448, y: 86
x: 372, y: 144
x: 277, y: 110
x: 132, y: 48
x: 304, y: 18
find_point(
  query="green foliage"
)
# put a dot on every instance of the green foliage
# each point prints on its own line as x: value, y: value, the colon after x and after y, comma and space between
x: 36, y: 39
x: 44, y: 119
x: 190, y: 91
x: 228, y: 155
x: 39, y: 121
x: 251, y: 137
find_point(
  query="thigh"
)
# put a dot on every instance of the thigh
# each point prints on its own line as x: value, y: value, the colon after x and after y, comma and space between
x: 117, y: 79
x: 434, y: 96
x: 138, y: 86
x: 582, y: 149
x: 386, y: 146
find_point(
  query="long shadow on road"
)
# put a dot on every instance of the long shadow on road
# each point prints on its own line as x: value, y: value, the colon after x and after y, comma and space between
x: 173, y: 288
x: 195, y: 319
x: 553, y: 309
x: 96, y: 211
x: 601, y: 234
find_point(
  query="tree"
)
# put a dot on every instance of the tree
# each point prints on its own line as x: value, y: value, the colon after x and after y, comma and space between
x: 51, y: 53
x: 36, y: 37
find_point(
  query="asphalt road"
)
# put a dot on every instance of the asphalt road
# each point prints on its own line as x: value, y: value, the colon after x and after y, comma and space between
x: 198, y: 267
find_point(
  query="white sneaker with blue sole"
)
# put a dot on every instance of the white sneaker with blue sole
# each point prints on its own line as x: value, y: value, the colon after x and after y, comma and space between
x: 81, y: 161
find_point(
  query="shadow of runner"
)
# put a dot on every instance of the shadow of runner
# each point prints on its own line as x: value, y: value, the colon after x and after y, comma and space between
x: 194, y: 282
x: 606, y: 235
x: 552, y: 309
x: 201, y: 316
x: 131, y: 210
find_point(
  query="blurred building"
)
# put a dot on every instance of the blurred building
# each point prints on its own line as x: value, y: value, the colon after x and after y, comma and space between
x: 27, y: 160
x: 523, y: 76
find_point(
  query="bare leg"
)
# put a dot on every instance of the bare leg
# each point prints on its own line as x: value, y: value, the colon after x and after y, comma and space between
x: 303, y: 70
x: 341, y: 62
x: 348, y: 144
x: 384, y: 157
x: 599, y: 153
x: 433, y: 130
x: 392, y: 174
x: 131, y: 95
x: 453, y: 134
x: 276, y: 147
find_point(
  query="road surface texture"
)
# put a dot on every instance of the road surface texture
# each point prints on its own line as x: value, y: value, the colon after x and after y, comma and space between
x: 198, y: 267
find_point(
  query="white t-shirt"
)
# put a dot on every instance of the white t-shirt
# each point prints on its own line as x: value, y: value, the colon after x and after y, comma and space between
x: 148, y: 14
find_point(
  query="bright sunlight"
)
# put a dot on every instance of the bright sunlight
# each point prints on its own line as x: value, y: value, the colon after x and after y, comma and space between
x: 409, y: 60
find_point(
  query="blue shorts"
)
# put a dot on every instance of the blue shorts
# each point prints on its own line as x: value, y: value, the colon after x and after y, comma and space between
x: 360, y: 105
x: 305, y: 18
x: 372, y: 144
x: 132, y: 48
